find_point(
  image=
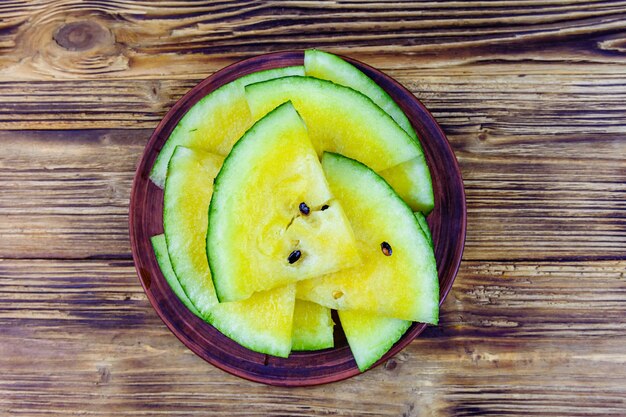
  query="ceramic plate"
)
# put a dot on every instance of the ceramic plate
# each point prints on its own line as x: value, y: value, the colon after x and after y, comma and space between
x: 447, y: 223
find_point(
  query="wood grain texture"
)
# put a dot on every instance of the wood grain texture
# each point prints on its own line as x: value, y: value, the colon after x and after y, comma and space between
x: 146, y: 39
x: 65, y: 193
x: 531, y: 95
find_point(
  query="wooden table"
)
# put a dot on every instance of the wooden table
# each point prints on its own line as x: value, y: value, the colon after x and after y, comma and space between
x: 532, y: 96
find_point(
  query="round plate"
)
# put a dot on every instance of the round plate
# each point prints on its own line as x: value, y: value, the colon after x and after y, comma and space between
x: 447, y: 222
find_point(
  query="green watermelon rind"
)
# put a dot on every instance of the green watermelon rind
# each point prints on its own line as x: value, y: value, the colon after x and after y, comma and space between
x: 163, y: 259
x: 269, y: 74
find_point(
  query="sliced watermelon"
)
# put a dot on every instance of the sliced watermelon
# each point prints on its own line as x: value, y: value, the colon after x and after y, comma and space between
x: 263, y: 322
x: 253, y: 323
x: 398, y: 278
x: 186, y: 199
x: 370, y: 336
x: 410, y: 179
x: 339, y: 119
x: 312, y: 327
x: 216, y: 121
x: 269, y: 74
x: 272, y: 219
x: 326, y: 66
x: 163, y: 258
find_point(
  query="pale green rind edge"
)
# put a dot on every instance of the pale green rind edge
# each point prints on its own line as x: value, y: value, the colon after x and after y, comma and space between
x: 269, y: 74
x: 163, y: 259
x: 421, y: 219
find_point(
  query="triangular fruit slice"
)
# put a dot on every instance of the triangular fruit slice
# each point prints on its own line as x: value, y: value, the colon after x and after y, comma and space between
x: 312, y: 327
x: 411, y: 179
x: 216, y: 121
x: 370, y: 336
x: 339, y: 119
x: 326, y: 66
x: 398, y: 278
x: 272, y: 219
x: 188, y: 190
x: 261, y: 323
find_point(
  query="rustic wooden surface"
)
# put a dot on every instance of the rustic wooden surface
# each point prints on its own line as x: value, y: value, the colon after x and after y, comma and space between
x: 532, y: 95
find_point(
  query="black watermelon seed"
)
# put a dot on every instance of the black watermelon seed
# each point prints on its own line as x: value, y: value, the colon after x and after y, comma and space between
x: 294, y: 256
x: 324, y: 207
x: 304, y: 209
x: 386, y: 248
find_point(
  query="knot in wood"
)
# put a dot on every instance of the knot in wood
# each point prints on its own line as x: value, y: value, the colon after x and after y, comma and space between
x: 391, y: 364
x: 81, y: 36
x: 104, y: 374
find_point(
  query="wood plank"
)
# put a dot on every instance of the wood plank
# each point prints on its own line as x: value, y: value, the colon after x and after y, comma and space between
x: 88, y: 104
x: 564, y: 201
x: 46, y: 40
x: 516, y: 338
x: 66, y: 193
